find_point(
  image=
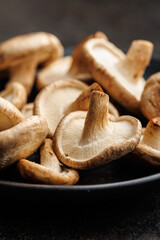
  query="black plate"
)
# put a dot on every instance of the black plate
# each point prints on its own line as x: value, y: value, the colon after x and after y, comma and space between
x: 126, y: 175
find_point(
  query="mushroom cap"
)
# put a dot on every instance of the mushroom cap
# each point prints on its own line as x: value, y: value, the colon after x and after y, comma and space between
x: 50, y: 171
x: 15, y: 93
x: 9, y: 115
x: 67, y: 67
x: 44, y: 46
x: 150, y: 100
x: 54, y: 71
x: 87, y: 140
x: 149, y: 146
x: 53, y: 100
x: 40, y: 174
x: 113, y: 111
x: 27, y: 110
x: 78, y: 67
x: 116, y: 72
x: 22, y: 140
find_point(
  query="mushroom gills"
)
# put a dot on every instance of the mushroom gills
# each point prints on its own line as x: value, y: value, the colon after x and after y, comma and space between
x: 54, y: 71
x: 50, y: 171
x: 90, y: 139
x: 114, y: 134
x: 114, y: 63
x: 60, y: 98
x: 9, y: 115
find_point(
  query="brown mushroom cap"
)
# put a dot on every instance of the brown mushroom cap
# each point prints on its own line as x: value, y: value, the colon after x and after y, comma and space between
x: 150, y: 100
x: 119, y: 74
x: 149, y: 146
x: 9, y: 115
x: 67, y: 67
x: 22, y: 140
x: 40, y: 45
x: 51, y: 171
x: 88, y: 140
x: 23, y: 53
x: 15, y: 93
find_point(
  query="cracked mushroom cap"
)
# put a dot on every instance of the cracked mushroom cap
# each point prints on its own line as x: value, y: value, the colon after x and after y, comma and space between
x: 119, y: 74
x: 9, y: 115
x: 23, y: 53
x: 150, y: 100
x: 87, y: 140
x: 22, y: 140
x: 149, y: 146
x: 15, y: 93
x: 67, y: 67
x: 49, y: 171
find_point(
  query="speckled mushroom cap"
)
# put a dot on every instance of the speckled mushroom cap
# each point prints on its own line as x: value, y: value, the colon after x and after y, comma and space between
x: 50, y: 170
x: 87, y: 140
x: 23, y: 53
x: 22, y: 140
x: 150, y: 100
x: 149, y: 146
x: 119, y: 74
x: 9, y: 115
x: 67, y: 67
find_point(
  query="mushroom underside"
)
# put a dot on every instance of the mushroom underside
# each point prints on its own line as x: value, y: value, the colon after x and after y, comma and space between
x: 118, y: 139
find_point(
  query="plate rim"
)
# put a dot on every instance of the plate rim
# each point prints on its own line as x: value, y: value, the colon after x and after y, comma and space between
x: 88, y: 187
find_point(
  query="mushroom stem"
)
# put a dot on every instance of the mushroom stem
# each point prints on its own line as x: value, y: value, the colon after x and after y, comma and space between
x: 152, y: 133
x: 48, y: 157
x: 96, y: 119
x: 82, y: 102
x: 24, y: 73
x: 138, y: 57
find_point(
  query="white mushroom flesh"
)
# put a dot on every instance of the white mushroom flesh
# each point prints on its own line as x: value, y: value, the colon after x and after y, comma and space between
x: 9, y: 115
x: 54, y: 105
x: 114, y: 135
x: 113, y: 63
x: 55, y: 71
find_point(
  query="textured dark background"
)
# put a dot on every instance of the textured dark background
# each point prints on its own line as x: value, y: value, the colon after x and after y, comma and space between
x: 72, y: 20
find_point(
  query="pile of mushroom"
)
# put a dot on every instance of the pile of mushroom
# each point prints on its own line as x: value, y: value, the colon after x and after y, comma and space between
x: 68, y: 66
x: 71, y: 119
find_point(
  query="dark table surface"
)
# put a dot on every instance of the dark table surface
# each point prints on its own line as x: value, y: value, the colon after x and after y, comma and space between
x: 124, y: 216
